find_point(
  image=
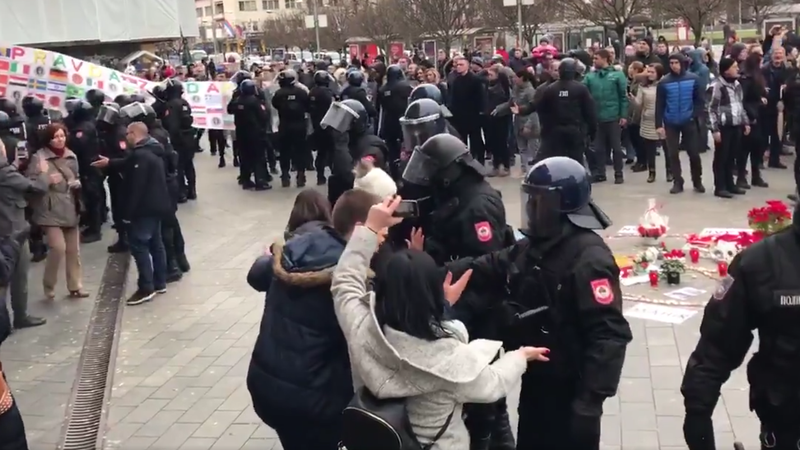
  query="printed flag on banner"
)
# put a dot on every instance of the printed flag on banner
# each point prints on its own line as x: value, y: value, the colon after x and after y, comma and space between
x: 20, y: 68
x: 14, y: 80
x: 198, y: 109
x: 95, y: 84
x: 214, y: 111
x: 5, y: 65
x: 75, y: 91
x: 213, y: 99
x: 54, y: 102
x: 3, y: 80
x: 200, y: 121
x: 59, y: 75
x: 54, y: 86
x: 37, y: 85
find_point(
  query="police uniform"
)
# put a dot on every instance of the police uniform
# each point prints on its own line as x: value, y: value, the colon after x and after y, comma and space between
x: 251, y: 120
x: 355, y: 90
x: 293, y: 104
x: 563, y: 294
x: 566, y: 113
x: 83, y: 141
x: 177, y: 119
x: 320, y: 98
x: 761, y: 292
x: 392, y: 101
x: 113, y: 143
x: 36, y: 122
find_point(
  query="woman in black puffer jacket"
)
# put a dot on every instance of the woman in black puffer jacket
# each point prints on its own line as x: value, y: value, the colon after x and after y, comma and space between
x: 753, y: 145
x: 12, y: 430
x: 498, y: 127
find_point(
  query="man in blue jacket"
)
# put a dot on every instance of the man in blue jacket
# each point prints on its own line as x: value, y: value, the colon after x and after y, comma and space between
x: 680, y: 99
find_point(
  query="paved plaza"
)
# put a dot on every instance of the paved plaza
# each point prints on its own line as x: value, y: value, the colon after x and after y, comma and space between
x: 181, y: 363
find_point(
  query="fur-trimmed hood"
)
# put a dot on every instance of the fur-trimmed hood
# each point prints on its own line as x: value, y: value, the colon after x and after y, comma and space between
x: 308, y: 259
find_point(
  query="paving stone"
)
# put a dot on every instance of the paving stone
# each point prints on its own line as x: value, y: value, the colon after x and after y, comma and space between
x: 216, y: 424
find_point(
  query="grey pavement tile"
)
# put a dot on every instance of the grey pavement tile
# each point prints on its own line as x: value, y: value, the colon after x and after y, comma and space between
x: 198, y: 444
x: 636, y: 367
x: 611, y: 430
x: 666, y: 377
x: 635, y: 390
x: 249, y: 416
x: 216, y: 424
x: 638, y: 416
x: 196, y: 366
x: 670, y: 431
x: 669, y: 402
x: 159, y: 424
x: 239, y: 400
x: 137, y: 443
x: 639, y: 440
x: 261, y: 444
x: 664, y: 355
x: 135, y: 396
x: 737, y: 402
x: 234, y: 437
x: 186, y: 398
x: 145, y: 411
x: 265, y: 432
x: 201, y: 410
x: 175, y: 436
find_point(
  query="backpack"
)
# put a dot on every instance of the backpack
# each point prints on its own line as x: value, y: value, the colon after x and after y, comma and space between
x: 370, y: 423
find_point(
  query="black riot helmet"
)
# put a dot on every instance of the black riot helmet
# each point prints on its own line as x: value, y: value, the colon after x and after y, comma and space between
x: 568, y: 69
x: 5, y: 121
x: 108, y: 113
x: 95, y: 97
x: 287, y: 78
x: 240, y: 76
x: 173, y: 88
x: 8, y: 107
x: 78, y: 110
x: 355, y: 78
x: 138, y: 98
x: 322, y: 78
x: 137, y: 112
x: 159, y: 93
x: 556, y: 190
x: 431, y: 91
x: 347, y: 115
x: 123, y: 100
x: 422, y: 120
x: 439, y: 161
x: 394, y: 73
x: 248, y: 87
x: 32, y: 106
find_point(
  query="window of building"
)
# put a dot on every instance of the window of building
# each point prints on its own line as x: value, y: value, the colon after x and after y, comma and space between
x: 291, y: 4
x: 219, y: 8
x: 208, y: 11
x: 247, y: 5
x: 270, y: 5
x: 198, y: 12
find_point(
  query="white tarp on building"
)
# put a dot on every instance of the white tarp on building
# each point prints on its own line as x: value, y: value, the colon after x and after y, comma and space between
x: 29, y: 22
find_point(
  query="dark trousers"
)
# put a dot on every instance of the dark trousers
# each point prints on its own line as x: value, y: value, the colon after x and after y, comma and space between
x: 689, y: 133
x: 725, y: 153
x: 116, y: 187
x: 324, y: 144
x: 294, y: 150
x: 797, y: 162
x: 545, y: 417
x: 649, y: 150
x: 299, y: 435
x: 252, y: 160
x: 12, y: 430
x: 394, y: 146
x: 559, y: 144
x: 496, y: 133
x: 92, y: 193
x: 272, y: 150
x: 174, y: 245
x: 752, y: 148
x: 217, y: 142
x: 769, y: 131
x: 634, y: 143
x: 187, y: 178
x: 608, y: 139
x: 469, y: 129
x: 147, y: 249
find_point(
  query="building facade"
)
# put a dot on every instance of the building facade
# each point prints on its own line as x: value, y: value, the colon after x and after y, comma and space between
x: 233, y: 19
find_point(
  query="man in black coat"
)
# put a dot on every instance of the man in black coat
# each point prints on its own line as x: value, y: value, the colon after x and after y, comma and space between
x: 467, y: 102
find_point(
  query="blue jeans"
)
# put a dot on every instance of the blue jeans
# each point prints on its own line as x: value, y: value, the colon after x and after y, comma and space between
x: 145, y: 241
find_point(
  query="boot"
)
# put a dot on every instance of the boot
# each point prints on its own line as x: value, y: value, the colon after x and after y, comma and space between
x: 759, y: 182
x: 235, y: 161
x: 722, y: 193
x: 651, y: 178
x: 736, y: 190
x: 221, y: 162
x: 88, y: 236
x: 38, y: 251
x: 741, y: 181
x: 502, y: 436
x: 173, y: 272
x: 677, y: 187
x: 192, y: 194
x: 121, y: 246
x: 670, y: 177
x: 698, y: 187
x: 263, y: 186
x: 301, y: 180
x: 286, y: 182
x: 183, y: 263
x: 321, y: 180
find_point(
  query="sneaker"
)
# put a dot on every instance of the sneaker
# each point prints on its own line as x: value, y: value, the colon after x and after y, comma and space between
x: 28, y: 322
x: 140, y: 297
x: 161, y: 290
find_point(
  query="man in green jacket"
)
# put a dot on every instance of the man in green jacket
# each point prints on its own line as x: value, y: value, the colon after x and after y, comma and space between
x: 609, y: 89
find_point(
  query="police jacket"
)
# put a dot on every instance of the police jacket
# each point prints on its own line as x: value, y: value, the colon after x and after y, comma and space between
x: 565, y: 107
x: 761, y: 292
x: 292, y: 104
x: 178, y: 122
x: 250, y: 117
x: 35, y: 127
x: 300, y: 368
x: 576, y: 278
x: 320, y: 99
x: 392, y: 102
x: 83, y: 141
x: 360, y: 93
x: 113, y: 141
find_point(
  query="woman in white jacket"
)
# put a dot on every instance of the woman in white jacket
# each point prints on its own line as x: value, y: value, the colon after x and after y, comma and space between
x: 400, y: 344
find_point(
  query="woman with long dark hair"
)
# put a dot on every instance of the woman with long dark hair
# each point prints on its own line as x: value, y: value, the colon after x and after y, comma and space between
x: 645, y: 104
x: 753, y: 146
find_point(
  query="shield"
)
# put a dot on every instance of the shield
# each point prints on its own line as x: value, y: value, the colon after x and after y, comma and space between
x: 420, y: 169
x: 339, y: 117
x: 108, y: 114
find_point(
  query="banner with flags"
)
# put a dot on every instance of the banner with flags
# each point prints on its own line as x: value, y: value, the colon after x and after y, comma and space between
x: 54, y: 77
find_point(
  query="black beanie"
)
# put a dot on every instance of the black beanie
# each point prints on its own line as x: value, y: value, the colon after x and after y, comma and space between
x: 725, y: 63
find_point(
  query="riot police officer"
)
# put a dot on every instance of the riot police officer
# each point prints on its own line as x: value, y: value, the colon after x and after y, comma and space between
x: 83, y: 141
x: 172, y: 237
x: 355, y: 90
x: 320, y: 98
x: 251, y: 120
x: 761, y: 292
x: 177, y: 119
x: 468, y: 219
x: 348, y: 123
x: 113, y: 143
x: 392, y: 101
x: 566, y: 112
x: 37, y: 121
x: 292, y: 103
x: 96, y: 98
x: 431, y: 91
x: 10, y: 134
x: 563, y: 293
x: 123, y: 100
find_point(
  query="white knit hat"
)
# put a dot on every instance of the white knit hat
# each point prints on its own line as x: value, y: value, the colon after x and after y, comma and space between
x: 377, y: 182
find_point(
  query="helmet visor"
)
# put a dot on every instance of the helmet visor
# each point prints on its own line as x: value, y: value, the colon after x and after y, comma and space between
x: 107, y: 114
x: 339, y: 117
x: 541, y: 215
x: 419, y: 169
x: 417, y: 131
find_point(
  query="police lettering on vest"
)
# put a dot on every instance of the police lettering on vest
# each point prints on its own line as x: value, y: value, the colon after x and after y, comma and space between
x: 563, y: 93
x: 290, y: 97
x: 787, y: 298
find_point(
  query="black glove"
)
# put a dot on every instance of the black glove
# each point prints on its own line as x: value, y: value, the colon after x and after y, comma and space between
x: 585, y: 432
x: 699, y: 432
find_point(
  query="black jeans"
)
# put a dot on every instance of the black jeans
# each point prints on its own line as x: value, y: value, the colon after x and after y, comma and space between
x: 294, y: 150
x: 752, y: 148
x: 324, y: 144
x: 497, y: 140
x: 187, y: 177
x: 649, y: 149
x: 609, y: 138
x: 674, y: 133
x: 217, y: 142
x: 92, y: 190
x: 769, y: 131
x: 302, y: 435
x: 174, y: 245
x: 252, y: 164
x: 469, y: 129
x: 562, y: 144
x: 725, y: 153
x: 797, y: 162
x: 116, y: 187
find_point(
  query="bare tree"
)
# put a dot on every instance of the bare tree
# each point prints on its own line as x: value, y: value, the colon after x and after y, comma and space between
x: 695, y: 13
x: 379, y: 21
x: 607, y: 12
x: 758, y: 8
x: 339, y: 29
x: 443, y: 20
x: 505, y: 17
x: 286, y: 31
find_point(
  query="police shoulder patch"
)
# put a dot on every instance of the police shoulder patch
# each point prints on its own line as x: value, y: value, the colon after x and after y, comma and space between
x: 723, y: 287
x: 484, y: 231
x: 602, y: 292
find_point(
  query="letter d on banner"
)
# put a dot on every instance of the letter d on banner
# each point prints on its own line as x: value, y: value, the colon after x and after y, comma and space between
x: 192, y: 88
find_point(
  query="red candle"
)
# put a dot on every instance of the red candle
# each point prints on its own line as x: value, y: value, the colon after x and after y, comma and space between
x: 722, y: 267
x: 653, y: 278
x: 694, y: 255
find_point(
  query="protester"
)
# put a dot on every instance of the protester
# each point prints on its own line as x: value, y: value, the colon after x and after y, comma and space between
x: 467, y: 101
x: 645, y: 101
x: 309, y: 206
x: 497, y: 126
x: 526, y: 128
x: 755, y: 97
x: 728, y: 120
x: 776, y: 75
x: 630, y: 133
x: 57, y: 210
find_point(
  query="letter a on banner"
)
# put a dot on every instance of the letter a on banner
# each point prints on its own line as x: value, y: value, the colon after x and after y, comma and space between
x: 212, y: 88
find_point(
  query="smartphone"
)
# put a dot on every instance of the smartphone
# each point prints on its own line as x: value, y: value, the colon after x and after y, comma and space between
x: 407, y: 208
x: 22, y: 150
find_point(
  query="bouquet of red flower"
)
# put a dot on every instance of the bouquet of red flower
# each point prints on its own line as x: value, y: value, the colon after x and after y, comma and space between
x: 652, y: 224
x: 769, y: 219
